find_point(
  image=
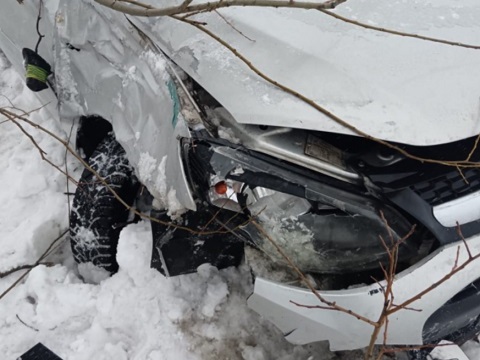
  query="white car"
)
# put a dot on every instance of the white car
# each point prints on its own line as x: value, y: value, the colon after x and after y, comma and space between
x: 225, y: 161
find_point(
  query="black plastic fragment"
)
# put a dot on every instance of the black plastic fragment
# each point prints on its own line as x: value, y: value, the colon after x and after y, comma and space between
x: 39, y: 352
x: 177, y: 251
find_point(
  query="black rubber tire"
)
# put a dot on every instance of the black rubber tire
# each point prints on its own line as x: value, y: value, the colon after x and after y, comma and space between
x: 97, y: 217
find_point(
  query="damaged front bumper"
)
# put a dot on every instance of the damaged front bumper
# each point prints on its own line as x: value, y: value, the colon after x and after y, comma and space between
x: 325, y: 226
x: 417, y: 324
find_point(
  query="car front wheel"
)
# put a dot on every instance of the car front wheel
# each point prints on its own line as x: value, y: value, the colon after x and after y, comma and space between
x: 97, y: 216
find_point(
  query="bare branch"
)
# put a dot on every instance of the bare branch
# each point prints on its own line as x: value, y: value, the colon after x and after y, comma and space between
x: 22, y: 267
x: 139, y: 9
x: 313, y: 306
x: 460, y: 233
x: 459, y: 169
x: 475, y: 145
x: 142, y: 9
x: 457, y: 257
x: 39, y: 17
x: 434, y: 285
x: 12, y: 117
x: 38, y: 262
x: 185, y: 4
x: 138, y: 3
x: 399, y: 33
x: 232, y: 26
x: 410, y: 308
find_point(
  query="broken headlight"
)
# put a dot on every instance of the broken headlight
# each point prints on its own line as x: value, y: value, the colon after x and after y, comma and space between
x: 324, y: 225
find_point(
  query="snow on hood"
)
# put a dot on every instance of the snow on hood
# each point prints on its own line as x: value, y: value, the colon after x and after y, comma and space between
x: 395, y: 88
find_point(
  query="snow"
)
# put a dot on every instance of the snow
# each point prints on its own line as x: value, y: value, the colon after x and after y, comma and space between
x: 167, y: 199
x: 135, y: 314
x: 448, y: 350
x: 157, y: 64
x: 146, y: 166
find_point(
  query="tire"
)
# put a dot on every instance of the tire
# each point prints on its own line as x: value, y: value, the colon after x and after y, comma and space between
x: 97, y: 217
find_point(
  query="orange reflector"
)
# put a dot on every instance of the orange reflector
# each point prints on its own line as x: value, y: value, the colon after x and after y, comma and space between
x: 221, y: 188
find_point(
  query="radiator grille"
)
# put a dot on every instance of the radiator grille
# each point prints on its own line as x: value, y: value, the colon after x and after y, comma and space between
x: 449, y: 186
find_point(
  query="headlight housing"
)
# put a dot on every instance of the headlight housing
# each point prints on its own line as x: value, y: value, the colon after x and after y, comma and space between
x: 324, y: 225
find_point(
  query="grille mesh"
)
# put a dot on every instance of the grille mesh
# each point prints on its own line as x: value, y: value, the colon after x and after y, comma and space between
x: 449, y: 186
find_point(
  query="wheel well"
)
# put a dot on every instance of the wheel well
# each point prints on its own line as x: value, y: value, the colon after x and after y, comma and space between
x: 92, y: 130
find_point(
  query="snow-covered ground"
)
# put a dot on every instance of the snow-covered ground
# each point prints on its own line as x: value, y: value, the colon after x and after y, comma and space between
x: 135, y: 314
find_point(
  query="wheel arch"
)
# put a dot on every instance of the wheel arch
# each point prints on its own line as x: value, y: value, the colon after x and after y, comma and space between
x: 92, y: 129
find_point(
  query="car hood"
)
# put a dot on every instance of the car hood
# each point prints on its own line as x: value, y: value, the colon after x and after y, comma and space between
x: 395, y: 88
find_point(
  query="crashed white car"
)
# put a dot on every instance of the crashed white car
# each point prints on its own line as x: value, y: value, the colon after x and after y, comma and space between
x: 225, y: 161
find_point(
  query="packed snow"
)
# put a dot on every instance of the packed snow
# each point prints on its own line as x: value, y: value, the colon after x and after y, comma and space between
x: 135, y: 314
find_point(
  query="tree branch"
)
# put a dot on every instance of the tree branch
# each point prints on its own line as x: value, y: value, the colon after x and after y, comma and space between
x: 38, y: 262
x: 446, y: 277
x: 398, y: 33
x: 140, y: 9
x: 22, y: 267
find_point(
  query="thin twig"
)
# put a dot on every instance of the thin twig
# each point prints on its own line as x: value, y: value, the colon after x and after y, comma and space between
x: 24, y: 323
x: 434, y: 285
x: 232, y: 26
x: 22, y: 267
x: 410, y: 308
x: 35, y: 144
x: 462, y: 175
x: 389, y: 275
x: 138, y: 3
x: 40, y: 259
x: 313, y: 306
x: 457, y: 257
x: 217, y: 213
x: 396, y: 32
x: 39, y: 17
x: 474, y: 147
x: 460, y: 233
x: 65, y: 159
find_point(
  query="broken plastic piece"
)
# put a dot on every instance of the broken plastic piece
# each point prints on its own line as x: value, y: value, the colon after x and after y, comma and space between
x: 39, y: 352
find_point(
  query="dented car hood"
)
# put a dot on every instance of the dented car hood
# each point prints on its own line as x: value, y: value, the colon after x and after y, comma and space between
x: 396, y: 88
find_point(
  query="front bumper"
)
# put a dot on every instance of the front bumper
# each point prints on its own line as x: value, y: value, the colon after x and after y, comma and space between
x: 302, y: 325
